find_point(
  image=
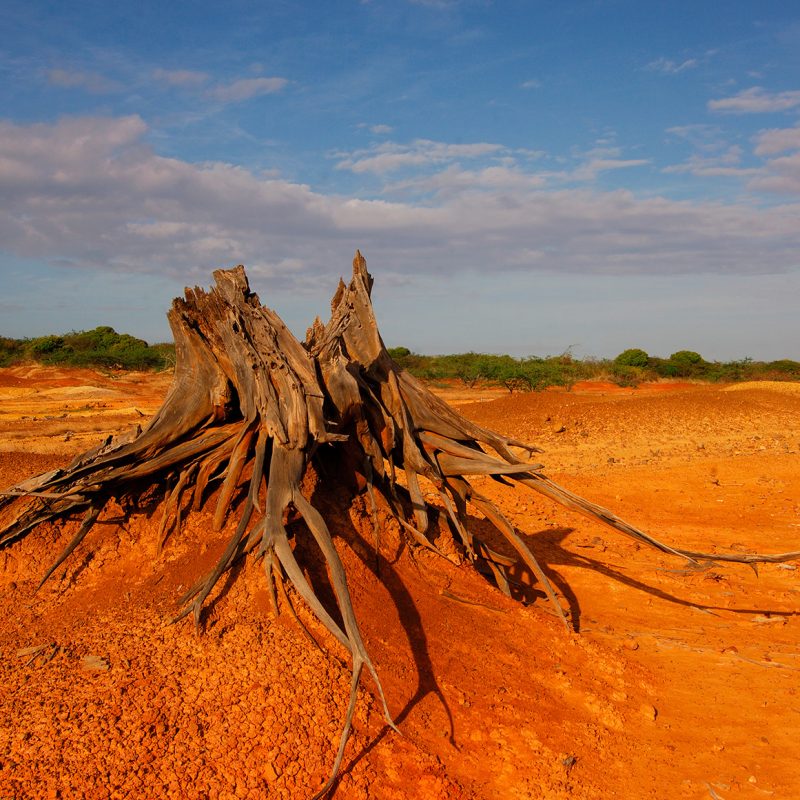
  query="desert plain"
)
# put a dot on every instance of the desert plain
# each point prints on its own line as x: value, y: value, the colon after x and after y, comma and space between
x: 682, y: 681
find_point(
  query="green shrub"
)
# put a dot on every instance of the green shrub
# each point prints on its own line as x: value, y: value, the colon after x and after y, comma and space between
x: 626, y: 375
x: 545, y: 372
x: 688, y: 363
x: 398, y: 352
x: 729, y: 371
x: 11, y: 351
x: 101, y: 347
x: 634, y: 357
x: 104, y: 347
x: 47, y: 345
x: 785, y: 366
x: 663, y: 367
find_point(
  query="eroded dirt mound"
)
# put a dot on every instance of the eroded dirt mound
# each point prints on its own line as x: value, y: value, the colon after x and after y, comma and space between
x: 682, y: 682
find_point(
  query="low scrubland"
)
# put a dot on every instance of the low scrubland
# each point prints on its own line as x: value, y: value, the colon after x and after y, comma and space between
x: 629, y: 368
x: 101, y: 348
x: 104, y: 348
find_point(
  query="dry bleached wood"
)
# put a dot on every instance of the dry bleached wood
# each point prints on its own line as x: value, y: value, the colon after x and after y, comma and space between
x: 251, y: 408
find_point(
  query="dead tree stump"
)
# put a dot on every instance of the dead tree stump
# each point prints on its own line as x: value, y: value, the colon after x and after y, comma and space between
x: 251, y: 409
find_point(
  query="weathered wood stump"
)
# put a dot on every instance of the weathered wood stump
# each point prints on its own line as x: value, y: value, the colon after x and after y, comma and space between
x: 251, y: 409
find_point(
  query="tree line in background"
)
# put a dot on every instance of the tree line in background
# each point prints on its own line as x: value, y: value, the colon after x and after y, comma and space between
x: 629, y: 368
x: 104, y: 348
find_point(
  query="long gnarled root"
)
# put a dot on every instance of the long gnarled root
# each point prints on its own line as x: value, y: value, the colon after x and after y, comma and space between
x: 251, y: 409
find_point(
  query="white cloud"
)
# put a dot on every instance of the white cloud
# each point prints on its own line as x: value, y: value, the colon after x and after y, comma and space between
x: 756, y: 101
x: 245, y: 88
x: 390, y: 156
x: 708, y: 169
x: 531, y: 84
x: 714, y: 158
x: 90, y: 192
x: 667, y: 67
x: 721, y: 164
x: 703, y: 137
x: 92, y: 82
x: 180, y: 77
x: 781, y: 175
x: 380, y: 130
x: 777, y: 140
x: 592, y: 163
x: 454, y: 180
x: 594, y: 166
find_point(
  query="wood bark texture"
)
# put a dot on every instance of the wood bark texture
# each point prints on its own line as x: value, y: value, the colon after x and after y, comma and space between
x: 250, y: 410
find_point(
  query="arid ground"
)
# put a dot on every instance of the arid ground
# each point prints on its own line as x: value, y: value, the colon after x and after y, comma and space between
x: 682, y: 683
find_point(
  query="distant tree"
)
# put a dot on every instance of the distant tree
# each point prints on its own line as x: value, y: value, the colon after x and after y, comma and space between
x: 46, y: 345
x: 11, y: 351
x: 469, y: 368
x: 516, y: 381
x: 633, y: 357
x: 506, y: 371
x: 543, y: 372
x: 687, y: 363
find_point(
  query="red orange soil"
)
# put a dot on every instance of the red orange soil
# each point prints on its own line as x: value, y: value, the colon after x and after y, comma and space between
x: 681, y: 683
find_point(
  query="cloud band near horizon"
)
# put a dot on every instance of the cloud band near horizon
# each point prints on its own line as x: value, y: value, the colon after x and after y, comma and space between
x: 90, y: 192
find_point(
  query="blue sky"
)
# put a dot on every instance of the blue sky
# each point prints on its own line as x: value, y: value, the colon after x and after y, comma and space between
x: 522, y: 177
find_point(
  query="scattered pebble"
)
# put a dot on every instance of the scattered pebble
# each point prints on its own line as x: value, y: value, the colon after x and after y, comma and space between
x: 649, y: 712
x: 94, y: 663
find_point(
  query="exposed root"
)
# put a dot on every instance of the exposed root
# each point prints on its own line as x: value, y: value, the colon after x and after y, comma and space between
x: 251, y: 409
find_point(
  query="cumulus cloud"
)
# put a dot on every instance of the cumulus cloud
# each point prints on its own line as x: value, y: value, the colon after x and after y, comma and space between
x: 245, y: 88
x: 91, y: 192
x: 780, y: 175
x: 777, y: 140
x: 668, y: 67
x: 92, y: 82
x: 756, y: 101
x: 180, y: 77
x: 715, y: 158
x: 380, y: 130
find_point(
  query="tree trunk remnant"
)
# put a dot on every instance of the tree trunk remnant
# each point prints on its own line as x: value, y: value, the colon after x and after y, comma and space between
x: 251, y: 409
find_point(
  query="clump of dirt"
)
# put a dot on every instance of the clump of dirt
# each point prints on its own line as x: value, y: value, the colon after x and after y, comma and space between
x: 681, y: 681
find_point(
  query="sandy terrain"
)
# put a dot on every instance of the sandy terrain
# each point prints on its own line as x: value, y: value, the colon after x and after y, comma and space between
x: 681, y: 683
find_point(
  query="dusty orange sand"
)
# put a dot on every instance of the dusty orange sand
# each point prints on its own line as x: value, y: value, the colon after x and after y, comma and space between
x: 681, y: 684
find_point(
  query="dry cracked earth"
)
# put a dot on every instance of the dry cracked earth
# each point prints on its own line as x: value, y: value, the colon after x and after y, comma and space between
x: 682, y: 682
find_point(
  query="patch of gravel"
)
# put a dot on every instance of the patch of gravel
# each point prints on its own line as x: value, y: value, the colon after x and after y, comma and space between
x: 788, y: 387
x: 89, y: 392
